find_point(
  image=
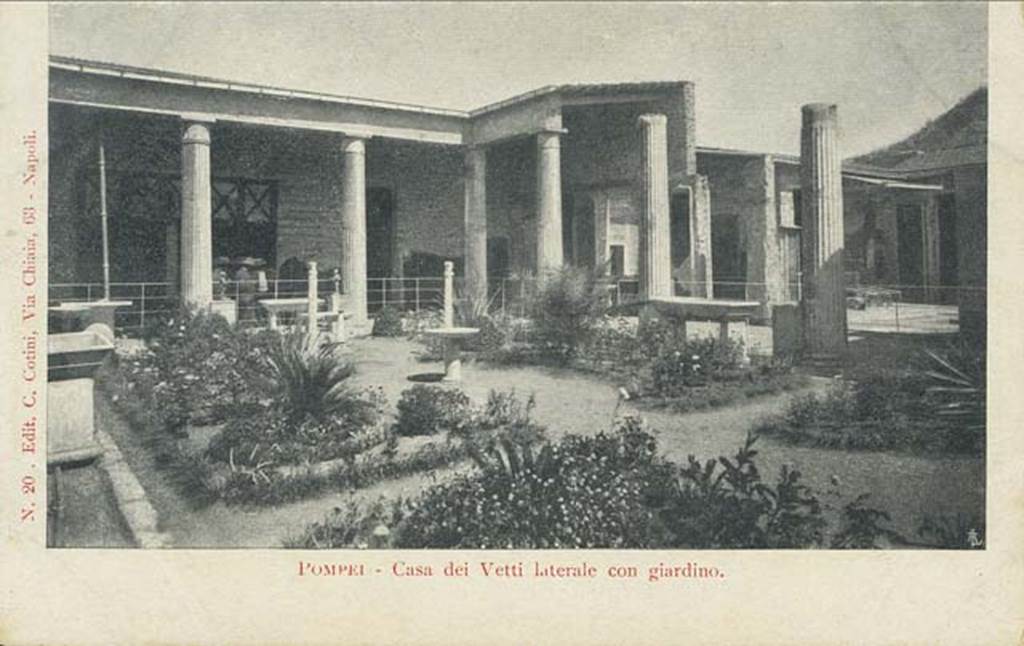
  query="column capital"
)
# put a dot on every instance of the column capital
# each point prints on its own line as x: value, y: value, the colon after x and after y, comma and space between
x: 353, y: 145
x: 652, y: 120
x: 820, y: 111
x: 196, y: 132
x: 550, y: 136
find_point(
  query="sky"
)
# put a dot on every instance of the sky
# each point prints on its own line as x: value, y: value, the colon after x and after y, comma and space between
x: 890, y: 67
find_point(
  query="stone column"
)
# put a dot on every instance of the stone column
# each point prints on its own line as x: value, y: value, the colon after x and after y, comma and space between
x: 700, y: 241
x: 353, y: 227
x: 549, y: 202
x: 196, y: 217
x: 655, y: 247
x: 600, y: 200
x: 766, y: 280
x: 475, y: 212
x: 821, y: 186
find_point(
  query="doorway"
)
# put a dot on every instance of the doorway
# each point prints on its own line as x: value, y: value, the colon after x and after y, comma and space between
x: 910, y: 241
x: 380, y: 234
x: 679, y: 235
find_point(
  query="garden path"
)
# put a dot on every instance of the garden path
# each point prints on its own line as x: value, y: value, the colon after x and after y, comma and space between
x: 905, y: 485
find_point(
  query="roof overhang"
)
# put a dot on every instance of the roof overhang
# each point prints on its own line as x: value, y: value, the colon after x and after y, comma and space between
x: 891, y: 183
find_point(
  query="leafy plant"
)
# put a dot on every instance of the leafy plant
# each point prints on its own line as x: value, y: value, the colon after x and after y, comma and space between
x: 723, y: 503
x: 310, y: 377
x: 935, y: 410
x: 565, y: 310
x: 694, y: 362
x: 863, y: 527
x: 957, y: 390
x: 387, y: 322
x: 353, y: 525
x: 426, y: 410
x: 199, y: 369
x: 581, y: 492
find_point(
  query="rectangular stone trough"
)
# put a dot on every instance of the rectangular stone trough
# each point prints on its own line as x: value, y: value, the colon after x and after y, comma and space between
x: 73, y: 359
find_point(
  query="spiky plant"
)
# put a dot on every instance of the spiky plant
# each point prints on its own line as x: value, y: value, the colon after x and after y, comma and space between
x: 310, y: 376
x: 958, y: 390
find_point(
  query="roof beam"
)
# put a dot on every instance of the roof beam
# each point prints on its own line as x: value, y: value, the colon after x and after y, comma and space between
x: 118, y: 92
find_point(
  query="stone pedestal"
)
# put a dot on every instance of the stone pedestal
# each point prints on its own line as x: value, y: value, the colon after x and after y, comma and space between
x: 476, y: 224
x: 353, y: 227
x: 72, y: 363
x: 549, y: 202
x: 312, y: 327
x: 821, y: 186
x: 655, y: 247
x: 196, y: 222
x: 449, y: 294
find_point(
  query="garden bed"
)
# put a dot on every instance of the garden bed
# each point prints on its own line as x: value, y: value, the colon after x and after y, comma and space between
x: 933, y: 409
x: 270, y: 418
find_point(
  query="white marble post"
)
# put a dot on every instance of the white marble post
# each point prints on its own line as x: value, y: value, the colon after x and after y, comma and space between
x: 821, y: 185
x: 311, y: 298
x: 353, y: 227
x: 196, y: 217
x: 475, y: 213
x: 655, y: 247
x: 449, y: 294
x: 549, y: 202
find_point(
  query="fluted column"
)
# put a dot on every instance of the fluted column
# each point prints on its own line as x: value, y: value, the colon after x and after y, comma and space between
x: 655, y: 247
x: 353, y: 227
x: 549, y: 202
x: 821, y: 186
x: 475, y: 211
x: 196, y: 217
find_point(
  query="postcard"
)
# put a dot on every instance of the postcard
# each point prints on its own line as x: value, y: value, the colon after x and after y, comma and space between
x: 488, y: 323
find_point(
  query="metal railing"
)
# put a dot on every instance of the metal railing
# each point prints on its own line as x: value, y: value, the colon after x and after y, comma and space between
x: 893, y: 308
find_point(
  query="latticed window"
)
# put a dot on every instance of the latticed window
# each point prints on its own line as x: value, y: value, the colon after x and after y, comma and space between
x: 240, y: 201
x: 244, y: 218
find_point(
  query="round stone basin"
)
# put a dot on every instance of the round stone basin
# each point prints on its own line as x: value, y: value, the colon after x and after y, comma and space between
x: 451, y: 337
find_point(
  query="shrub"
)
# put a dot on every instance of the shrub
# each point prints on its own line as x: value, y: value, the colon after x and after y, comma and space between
x: 582, y: 492
x: 426, y: 410
x: 566, y: 309
x: 497, y: 333
x: 387, y: 322
x: 733, y: 508
x: 310, y: 377
x: 862, y: 527
x: 607, y: 490
x: 695, y: 362
x: 354, y: 525
x: 199, y: 369
x: 270, y: 436
x: 883, y: 410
